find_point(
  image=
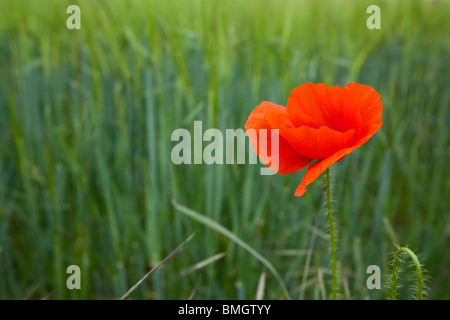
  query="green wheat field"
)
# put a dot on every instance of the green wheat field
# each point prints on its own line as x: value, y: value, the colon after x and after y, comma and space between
x: 86, y: 176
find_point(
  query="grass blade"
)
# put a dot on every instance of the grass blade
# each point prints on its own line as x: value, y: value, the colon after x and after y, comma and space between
x: 194, y: 291
x: 171, y: 255
x: 227, y: 233
x: 203, y: 263
x: 261, y: 287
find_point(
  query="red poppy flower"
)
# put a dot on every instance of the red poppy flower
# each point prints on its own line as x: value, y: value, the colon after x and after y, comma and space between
x: 320, y: 123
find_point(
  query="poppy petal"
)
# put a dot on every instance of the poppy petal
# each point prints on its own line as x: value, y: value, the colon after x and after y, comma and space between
x: 367, y: 101
x: 315, y: 170
x: 289, y: 160
x: 302, y: 106
x: 316, y: 105
x: 317, y: 143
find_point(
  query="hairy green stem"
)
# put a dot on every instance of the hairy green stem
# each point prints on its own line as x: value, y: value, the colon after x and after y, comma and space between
x: 395, y: 271
x: 332, y: 239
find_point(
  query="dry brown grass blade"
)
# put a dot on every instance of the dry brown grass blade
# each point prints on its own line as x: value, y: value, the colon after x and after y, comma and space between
x: 171, y: 255
x: 194, y: 290
x: 28, y: 295
x: 48, y: 295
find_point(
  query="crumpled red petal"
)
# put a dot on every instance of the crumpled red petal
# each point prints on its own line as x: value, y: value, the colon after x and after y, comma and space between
x: 289, y: 160
x: 317, y: 143
x: 315, y: 170
x: 316, y: 105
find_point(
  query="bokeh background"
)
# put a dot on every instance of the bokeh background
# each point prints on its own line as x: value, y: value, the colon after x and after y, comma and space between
x: 86, y: 176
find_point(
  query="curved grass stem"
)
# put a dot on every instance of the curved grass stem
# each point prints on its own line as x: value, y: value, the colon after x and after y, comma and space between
x: 395, y: 272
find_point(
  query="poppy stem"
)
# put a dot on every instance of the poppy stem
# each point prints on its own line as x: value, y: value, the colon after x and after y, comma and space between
x: 395, y: 272
x: 332, y: 239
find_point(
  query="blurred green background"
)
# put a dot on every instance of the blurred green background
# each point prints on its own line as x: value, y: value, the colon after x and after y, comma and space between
x: 86, y: 118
